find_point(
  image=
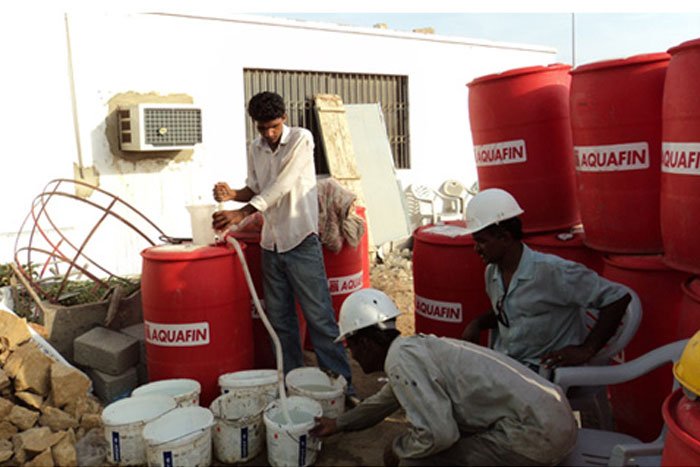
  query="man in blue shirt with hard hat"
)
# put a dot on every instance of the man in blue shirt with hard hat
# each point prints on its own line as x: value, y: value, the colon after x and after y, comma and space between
x: 538, y: 300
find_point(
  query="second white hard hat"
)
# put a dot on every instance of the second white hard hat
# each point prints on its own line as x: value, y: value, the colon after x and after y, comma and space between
x: 364, y: 308
x: 489, y: 207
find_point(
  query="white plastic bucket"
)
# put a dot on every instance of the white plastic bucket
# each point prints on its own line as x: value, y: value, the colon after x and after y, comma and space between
x: 292, y: 445
x: 251, y: 382
x: 313, y: 383
x: 201, y: 218
x: 181, y: 437
x: 185, y: 391
x: 239, y: 433
x: 123, y: 422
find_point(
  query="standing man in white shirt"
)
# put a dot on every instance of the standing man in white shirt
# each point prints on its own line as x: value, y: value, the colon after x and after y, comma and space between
x: 281, y: 183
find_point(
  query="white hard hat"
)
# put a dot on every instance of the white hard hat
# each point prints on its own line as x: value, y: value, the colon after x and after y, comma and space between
x: 489, y: 207
x: 365, y: 308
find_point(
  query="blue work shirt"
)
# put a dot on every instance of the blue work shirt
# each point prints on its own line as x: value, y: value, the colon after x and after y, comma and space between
x: 546, y: 304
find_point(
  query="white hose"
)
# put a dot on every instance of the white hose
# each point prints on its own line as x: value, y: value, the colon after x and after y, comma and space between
x: 268, y: 326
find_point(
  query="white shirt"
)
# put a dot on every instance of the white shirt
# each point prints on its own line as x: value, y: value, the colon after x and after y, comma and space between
x: 451, y: 388
x: 285, y: 185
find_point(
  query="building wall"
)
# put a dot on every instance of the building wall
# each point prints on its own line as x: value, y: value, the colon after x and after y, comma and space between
x: 57, y: 123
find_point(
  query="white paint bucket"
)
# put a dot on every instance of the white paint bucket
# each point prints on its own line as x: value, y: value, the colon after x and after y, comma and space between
x: 313, y: 383
x: 251, y: 382
x: 239, y: 433
x: 123, y: 422
x: 292, y: 445
x: 185, y: 391
x: 181, y: 437
x: 201, y: 219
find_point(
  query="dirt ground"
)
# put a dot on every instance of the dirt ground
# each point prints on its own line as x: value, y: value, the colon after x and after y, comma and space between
x: 365, y: 448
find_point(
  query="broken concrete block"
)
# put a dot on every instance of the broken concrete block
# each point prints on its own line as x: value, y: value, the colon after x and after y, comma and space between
x: 5, y: 407
x: 22, y: 418
x: 67, y: 384
x: 34, y: 401
x: 29, y: 367
x: 110, y: 388
x: 90, y: 420
x: 7, y: 430
x: 105, y: 350
x: 45, y: 459
x: 14, y: 329
x: 64, y: 453
x: 88, y: 404
x: 4, y: 379
x: 57, y: 419
x: 64, y: 323
x: 137, y: 332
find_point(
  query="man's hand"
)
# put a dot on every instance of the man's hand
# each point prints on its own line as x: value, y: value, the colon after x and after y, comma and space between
x: 472, y: 332
x: 223, y: 192
x: 324, y: 427
x: 390, y: 457
x: 572, y: 355
x: 222, y: 219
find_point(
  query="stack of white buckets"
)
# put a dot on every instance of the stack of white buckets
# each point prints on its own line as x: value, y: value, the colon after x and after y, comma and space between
x: 162, y: 424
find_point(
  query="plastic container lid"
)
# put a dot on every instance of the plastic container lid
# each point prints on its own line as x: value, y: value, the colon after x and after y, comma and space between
x: 248, y: 378
x: 684, y: 45
x: 137, y: 409
x: 451, y: 233
x: 186, y: 252
x: 640, y: 262
x: 622, y: 62
x: 519, y: 72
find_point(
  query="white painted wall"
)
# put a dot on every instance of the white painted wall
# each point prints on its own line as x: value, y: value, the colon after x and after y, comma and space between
x: 204, y: 58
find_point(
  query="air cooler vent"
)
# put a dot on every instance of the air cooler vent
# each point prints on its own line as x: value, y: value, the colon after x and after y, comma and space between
x: 159, y: 127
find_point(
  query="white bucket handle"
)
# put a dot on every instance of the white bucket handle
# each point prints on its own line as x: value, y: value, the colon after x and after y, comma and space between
x: 198, y: 430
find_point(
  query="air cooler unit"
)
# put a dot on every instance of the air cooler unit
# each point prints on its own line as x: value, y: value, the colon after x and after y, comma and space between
x: 159, y: 127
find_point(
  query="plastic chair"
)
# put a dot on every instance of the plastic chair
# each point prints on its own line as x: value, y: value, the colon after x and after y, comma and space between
x: 601, y: 447
x: 455, y: 189
x: 441, y: 207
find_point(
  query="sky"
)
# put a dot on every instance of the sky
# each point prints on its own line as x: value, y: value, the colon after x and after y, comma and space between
x: 579, y: 37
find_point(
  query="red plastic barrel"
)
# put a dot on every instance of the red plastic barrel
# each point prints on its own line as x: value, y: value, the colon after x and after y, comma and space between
x: 264, y: 354
x: 689, y: 319
x: 637, y: 404
x: 448, y: 280
x: 682, y: 443
x: 347, y: 271
x: 569, y: 245
x: 196, y: 310
x: 680, y: 162
x: 521, y: 131
x: 616, y: 126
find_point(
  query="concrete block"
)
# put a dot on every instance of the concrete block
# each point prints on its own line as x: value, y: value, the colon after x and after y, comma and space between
x: 109, y: 388
x: 105, y: 350
x: 137, y: 332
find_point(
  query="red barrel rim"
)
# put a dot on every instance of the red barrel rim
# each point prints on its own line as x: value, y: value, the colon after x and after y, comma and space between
x: 437, y: 239
x: 622, y: 62
x: 637, y: 262
x: 670, y: 419
x: 684, y: 45
x: 563, y: 239
x: 518, y: 72
x: 186, y: 252
x: 691, y: 287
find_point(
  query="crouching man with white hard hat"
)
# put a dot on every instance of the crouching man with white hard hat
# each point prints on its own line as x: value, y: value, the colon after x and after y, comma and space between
x: 538, y: 300
x: 467, y: 405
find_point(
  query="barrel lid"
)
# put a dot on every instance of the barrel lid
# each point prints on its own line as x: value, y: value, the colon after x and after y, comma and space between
x: 185, y: 251
x: 684, y: 45
x: 691, y: 287
x: 450, y: 233
x: 519, y: 71
x: 621, y: 62
x: 637, y: 262
x: 565, y: 239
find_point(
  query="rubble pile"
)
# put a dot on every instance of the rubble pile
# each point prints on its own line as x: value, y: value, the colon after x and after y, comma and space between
x: 394, y: 276
x: 45, y: 406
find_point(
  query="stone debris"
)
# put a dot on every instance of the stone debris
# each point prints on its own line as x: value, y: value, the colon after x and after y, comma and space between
x: 394, y: 276
x: 45, y: 406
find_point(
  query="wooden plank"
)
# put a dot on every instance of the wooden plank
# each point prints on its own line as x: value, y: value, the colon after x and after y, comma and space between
x: 335, y: 137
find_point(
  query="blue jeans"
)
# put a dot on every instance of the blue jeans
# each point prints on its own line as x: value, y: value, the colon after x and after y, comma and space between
x: 300, y: 273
